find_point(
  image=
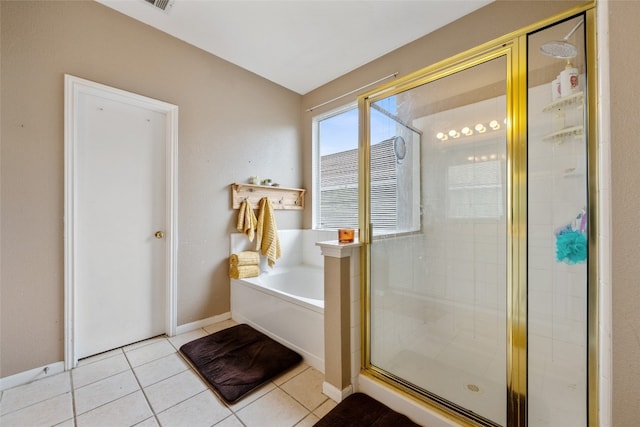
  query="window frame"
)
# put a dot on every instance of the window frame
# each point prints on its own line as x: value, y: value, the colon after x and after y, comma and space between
x: 415, y: 225
x: 316, y: 195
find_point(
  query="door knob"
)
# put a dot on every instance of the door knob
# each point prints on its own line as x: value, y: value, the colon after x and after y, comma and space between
x: 159, y: 234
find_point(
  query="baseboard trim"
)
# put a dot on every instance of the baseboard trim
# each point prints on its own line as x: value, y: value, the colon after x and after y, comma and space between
x: 26, y: 377
x: 335, y: 393
x: 30, y: 375
x: 188, y: 327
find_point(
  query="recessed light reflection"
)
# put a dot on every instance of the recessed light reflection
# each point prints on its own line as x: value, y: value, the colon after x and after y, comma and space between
x: 485, y: 158
x: 467, y: 131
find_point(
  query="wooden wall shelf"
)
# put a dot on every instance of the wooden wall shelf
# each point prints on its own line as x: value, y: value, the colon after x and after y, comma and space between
x: 281, y: 197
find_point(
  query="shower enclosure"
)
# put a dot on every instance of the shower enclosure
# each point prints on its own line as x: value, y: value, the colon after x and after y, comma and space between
x: 477, y: 231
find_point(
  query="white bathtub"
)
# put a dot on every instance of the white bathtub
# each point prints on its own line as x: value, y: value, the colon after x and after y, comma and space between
x: 287, y: 304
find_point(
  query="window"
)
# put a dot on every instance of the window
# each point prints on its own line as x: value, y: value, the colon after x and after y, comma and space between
x: 335, y: 195
x: 393, y: 186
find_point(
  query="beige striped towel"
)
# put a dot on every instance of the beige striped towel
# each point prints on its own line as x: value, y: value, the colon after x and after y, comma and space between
x: 242, y: 271
x: 245, y: 258
x: 246, y: 220
x: 267, y: 242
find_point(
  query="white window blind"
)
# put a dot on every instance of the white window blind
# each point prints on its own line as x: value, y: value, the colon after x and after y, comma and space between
x: 384, y: 187
x: 339, y: 188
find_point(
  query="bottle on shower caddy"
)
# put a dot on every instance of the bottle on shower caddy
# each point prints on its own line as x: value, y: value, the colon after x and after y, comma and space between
x: 569, y: 80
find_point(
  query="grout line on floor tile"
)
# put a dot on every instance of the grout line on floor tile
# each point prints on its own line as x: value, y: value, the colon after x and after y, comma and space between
x: 31, y: 405
x: 104, y: 404
x: 290, y: 378
x: 143, y: 343
x: 237, y: 402
x: 233, y: 414
x: 301, y: 403
x: 294, y: 398
x: 73, y: 397
x: 174, y: 405
x: 143, y: 421
x: 49, y: 397
x: 178, y: 348
x: 155, y: 416
x: 90, y: 360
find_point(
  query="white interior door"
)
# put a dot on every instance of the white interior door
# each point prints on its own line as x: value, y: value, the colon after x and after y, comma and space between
x: 120, y: 262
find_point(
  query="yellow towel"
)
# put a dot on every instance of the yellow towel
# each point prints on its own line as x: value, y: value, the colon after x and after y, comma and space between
x: 242, y: 271
x: 245, y: 258
x: 267, y: 241
x: 246, y: 220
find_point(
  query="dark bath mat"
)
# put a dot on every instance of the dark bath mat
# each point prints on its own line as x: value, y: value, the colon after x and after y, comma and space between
x: 239, y: 359
x: 360, y: 410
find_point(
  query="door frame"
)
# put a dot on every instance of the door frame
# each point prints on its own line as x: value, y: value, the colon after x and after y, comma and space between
x: 73, y: 87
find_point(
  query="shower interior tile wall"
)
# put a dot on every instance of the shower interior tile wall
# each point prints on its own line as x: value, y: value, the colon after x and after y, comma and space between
x: 557, y: 292
x: 439, y: 299
x: 434, y: 315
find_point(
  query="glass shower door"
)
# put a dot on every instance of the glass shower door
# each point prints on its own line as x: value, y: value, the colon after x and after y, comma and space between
x: 438, y: 210
x: 558, y: 205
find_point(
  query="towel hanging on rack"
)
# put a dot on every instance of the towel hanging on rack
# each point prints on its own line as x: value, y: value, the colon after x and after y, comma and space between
x: 246, y: 220
x: 267, y: 241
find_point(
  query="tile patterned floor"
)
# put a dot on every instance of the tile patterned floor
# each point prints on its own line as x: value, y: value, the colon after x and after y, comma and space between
x: 148, y: 384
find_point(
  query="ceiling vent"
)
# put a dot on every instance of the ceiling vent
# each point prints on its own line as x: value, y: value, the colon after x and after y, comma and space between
x: 163, y: 5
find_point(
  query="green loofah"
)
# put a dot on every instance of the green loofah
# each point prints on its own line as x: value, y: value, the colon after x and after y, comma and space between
x: 571, y: 247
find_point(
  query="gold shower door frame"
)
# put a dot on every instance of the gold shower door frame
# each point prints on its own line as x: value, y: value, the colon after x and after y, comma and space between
x: 514, y: 48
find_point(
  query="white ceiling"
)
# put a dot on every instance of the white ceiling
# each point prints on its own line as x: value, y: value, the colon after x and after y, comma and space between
x: 299, y: 44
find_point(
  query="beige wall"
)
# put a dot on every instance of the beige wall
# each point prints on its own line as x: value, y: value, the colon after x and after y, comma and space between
x: 625, y: 181
x: 506, y: 16
x: 233, y: 124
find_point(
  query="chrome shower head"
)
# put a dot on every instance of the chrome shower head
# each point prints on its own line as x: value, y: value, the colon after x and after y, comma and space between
x: 561, y: 49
